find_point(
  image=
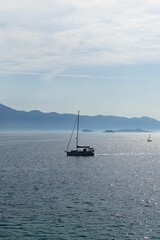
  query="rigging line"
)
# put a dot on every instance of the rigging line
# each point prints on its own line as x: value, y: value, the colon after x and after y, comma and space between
x: 77, y: 130
x: 71, y: 134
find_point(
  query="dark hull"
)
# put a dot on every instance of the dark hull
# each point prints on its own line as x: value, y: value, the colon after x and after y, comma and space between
x: 80, y: 153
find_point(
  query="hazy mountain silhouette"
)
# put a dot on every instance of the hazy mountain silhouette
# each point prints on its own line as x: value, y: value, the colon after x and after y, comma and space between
x: 11, y: 119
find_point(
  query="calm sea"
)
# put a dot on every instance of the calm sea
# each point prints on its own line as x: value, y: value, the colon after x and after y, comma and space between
x: 46, y: 195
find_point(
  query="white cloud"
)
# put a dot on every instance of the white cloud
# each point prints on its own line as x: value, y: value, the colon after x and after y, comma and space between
x: 48, y: 36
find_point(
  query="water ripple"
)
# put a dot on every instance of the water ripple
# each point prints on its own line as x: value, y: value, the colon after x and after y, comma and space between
x: 45, y: 195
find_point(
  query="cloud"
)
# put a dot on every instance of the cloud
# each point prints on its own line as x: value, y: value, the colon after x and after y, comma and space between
x: 49, y: 36
x: 95, y: 76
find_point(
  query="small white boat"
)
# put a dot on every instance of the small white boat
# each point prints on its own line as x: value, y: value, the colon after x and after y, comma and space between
x: 149, y: 138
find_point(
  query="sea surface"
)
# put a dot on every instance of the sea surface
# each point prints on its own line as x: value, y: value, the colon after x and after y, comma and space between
x: 46, y: 195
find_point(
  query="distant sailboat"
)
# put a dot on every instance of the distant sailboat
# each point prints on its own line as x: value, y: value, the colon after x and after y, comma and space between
x: 85, y: 151
x: 149, y: 138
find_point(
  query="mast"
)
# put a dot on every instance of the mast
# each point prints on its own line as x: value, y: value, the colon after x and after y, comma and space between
x: 77, y: 130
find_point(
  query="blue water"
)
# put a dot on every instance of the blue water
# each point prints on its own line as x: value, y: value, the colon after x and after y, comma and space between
x: 46, y: 195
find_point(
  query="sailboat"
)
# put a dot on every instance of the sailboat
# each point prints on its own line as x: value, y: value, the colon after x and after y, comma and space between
x: 80, y: 150
x: 149, y: 139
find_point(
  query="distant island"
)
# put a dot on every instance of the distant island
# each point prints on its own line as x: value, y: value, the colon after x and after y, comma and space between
x: 108, y: 131
x: 86, y: 130
x: 35, y: 120
x: 133, y: 130
x: 138, y: 130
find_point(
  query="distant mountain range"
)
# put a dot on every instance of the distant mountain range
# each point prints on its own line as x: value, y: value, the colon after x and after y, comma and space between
x: 11, y: 119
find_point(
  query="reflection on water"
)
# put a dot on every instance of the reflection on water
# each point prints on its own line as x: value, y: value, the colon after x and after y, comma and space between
x: 46, y: 195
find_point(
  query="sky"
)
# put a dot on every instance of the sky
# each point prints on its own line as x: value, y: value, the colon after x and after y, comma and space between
x: 101, y: 57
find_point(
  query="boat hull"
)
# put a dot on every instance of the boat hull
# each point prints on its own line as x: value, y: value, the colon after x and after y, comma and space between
x: 80, y: 153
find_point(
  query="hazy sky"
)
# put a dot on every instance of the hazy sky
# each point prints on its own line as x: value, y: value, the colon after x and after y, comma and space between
x: 99, y: 56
